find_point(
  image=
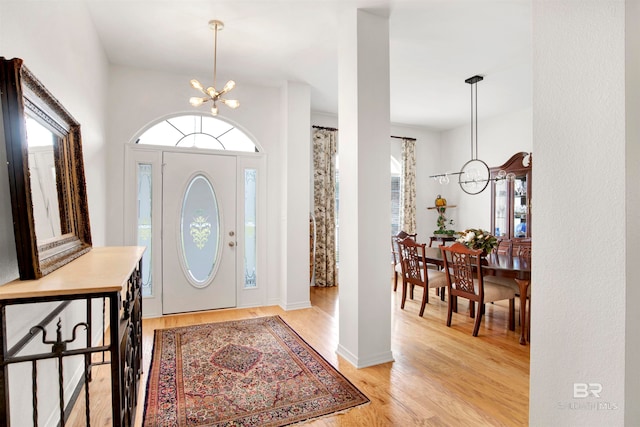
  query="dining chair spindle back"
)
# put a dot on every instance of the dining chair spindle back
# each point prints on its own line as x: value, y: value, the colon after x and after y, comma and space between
x: 416, y: 273
x: 463, y: 271
x: 395, y: 260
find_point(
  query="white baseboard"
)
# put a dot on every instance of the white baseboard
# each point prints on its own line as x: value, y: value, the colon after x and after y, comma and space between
x: 365, y: 362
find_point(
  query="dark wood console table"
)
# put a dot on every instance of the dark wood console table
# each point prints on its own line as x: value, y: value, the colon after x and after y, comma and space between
x: 74, y: 306
x: 441, y: 239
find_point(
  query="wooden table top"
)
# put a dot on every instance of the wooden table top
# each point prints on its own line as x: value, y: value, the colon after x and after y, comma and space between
x: 515, y: 266
x: 102, y: 269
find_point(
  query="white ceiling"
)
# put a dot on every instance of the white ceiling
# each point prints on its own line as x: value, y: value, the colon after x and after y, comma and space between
x: 434, y: 46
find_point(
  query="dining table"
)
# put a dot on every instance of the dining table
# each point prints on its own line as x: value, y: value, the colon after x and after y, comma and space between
x: 507, y: 265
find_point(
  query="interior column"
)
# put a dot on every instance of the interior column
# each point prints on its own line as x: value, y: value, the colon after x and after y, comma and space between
x: 365, y: 202
x: 295, y: 212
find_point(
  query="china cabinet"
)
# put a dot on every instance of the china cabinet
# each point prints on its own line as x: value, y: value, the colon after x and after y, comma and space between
x: 511, y: 197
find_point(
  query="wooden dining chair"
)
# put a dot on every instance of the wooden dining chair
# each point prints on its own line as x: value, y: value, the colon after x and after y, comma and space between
x: 396, y: 269
x: 416, y: 273
x: 463, y: 272
x: 521, y: 248
x: 504, y: 247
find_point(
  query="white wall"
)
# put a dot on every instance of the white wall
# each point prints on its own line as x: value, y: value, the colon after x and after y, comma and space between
x: 58, y: 44
x: 579, y: 282
x: 632, y: 231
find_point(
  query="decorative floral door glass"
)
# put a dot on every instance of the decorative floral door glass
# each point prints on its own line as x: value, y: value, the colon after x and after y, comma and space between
x: 250, y: 177
x: 200, y: 231
x: 145, y: 192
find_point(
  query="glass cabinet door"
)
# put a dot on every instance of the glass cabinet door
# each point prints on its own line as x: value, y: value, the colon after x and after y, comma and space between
x: 500, y: 208
x: 511, y: 198
x: 520, y: 207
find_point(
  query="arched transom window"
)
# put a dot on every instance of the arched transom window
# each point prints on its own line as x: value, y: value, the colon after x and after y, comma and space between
x: 198, y: 131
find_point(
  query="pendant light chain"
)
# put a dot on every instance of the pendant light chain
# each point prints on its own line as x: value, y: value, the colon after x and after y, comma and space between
x: 473, y: 82
x: 475, y: 86
x: 215, y: 54
x: 471, y: 127
x: 474, y: 176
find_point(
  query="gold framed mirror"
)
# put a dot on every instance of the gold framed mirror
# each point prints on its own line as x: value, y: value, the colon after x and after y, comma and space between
x: 46, y: 174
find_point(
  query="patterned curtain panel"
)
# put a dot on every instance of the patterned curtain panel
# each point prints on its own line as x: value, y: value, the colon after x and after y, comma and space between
x: 324, y: 211
x: 408, y: 186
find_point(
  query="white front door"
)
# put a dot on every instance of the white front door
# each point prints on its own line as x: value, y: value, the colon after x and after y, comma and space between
x: 199, y: 232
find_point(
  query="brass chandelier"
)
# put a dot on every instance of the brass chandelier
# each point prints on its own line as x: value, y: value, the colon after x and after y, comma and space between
x: 211, y: 93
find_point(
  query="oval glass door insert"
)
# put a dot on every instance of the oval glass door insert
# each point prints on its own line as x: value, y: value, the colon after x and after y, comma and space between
x: 200, y: 232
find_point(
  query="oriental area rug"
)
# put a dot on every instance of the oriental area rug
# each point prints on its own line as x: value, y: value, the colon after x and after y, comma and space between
x: 254, y: 372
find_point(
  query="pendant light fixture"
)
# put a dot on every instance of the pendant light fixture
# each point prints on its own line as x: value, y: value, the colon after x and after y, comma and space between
x: 211, y: 93
x: 474, y: 176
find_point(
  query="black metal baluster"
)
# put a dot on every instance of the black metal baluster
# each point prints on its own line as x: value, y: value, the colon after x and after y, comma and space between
x: 116, y: 368
x: 104, y: 322
x: 88, y: 356
x: 87, y: 363
x: 61, y: 388
x: 87, y: 401
x: 138, y: 343
x: 34, y: 391
x: 4, y: 372
x: 58, y: 349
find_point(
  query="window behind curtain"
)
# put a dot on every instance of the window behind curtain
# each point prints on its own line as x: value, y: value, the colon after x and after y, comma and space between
x: 396, y: 208
x: 395, y: 202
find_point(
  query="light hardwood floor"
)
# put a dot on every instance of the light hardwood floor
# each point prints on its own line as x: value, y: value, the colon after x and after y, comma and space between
x: 440, y: 376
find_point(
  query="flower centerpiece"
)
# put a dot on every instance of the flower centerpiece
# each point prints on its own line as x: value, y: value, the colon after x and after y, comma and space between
x: 476, y: 238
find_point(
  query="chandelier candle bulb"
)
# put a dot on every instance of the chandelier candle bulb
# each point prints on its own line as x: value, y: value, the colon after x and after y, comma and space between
x: 231, y: 103
x: 196, y: 101
x: 230, y: 85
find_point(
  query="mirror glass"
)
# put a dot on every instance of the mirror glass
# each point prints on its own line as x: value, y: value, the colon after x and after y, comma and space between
x: 42, y: 174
